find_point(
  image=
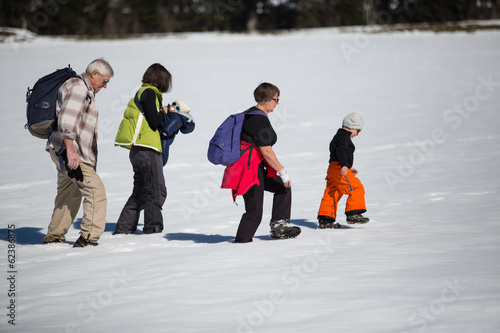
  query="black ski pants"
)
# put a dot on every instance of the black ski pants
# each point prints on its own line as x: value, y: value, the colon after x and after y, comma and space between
x: 149, y: 193
x: 254, y: 202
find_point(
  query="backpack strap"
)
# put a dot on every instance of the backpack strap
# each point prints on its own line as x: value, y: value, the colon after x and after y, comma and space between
x: 252, y: 110
x: 137, y: 102
x: 61, y: 159
x: 249, y: 154
x: 88, y: 97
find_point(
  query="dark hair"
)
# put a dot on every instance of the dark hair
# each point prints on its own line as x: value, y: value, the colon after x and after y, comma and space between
x: 265, y: 92
x: 159, y: 77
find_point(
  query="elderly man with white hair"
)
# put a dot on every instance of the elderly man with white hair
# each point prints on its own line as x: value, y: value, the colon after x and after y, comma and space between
x: 73, y: 149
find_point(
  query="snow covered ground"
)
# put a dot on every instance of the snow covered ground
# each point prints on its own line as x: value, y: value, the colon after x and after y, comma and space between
x: 429, y: 158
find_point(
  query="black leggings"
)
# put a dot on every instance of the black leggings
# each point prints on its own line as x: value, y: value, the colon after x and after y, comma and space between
x: 254, y: 201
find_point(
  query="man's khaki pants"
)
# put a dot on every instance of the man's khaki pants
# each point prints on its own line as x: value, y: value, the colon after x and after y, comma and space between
x: 68, y: 200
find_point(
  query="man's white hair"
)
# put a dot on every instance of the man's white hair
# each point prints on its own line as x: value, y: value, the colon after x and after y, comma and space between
x: 101, y: 66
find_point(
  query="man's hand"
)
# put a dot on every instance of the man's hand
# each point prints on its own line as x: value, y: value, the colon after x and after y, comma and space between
x: 73, y: 159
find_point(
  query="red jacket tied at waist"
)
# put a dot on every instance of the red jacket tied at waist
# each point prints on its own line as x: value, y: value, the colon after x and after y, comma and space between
x: 244, y: 173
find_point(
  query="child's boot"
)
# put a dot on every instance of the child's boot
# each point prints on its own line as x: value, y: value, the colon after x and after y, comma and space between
x: 327, y: 222
x: 357, y: 218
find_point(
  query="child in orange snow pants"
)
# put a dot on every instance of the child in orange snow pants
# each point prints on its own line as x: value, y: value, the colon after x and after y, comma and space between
x: 336, y: 187
x: 341, y: 178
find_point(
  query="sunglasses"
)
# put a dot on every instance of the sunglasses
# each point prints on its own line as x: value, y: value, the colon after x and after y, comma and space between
x: 102, y: 77
x: 174, y: 104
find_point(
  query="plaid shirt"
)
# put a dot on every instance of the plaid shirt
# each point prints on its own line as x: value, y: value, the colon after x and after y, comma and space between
x: 77, y: 116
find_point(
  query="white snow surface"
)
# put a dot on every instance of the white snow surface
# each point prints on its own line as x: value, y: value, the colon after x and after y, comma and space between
x: 429, y: 158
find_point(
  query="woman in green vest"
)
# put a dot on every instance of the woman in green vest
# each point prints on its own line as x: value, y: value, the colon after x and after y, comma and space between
x: 139, y: 132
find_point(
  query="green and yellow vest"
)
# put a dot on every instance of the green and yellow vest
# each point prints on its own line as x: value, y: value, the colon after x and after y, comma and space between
x: 134, y: 130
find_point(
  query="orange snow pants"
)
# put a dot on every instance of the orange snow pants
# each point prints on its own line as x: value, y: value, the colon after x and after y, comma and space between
x: 336, y: 187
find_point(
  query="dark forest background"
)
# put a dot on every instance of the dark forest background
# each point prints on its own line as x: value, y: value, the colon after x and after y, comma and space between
x: 126, y: 17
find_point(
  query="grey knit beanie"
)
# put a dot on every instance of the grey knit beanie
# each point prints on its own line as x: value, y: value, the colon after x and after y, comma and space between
x: 353, y: 120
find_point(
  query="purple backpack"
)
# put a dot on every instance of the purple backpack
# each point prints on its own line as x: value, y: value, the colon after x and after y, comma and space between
x: 224, y: 147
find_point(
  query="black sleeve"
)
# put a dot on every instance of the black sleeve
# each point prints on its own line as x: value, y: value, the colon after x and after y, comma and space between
x: 341, y: 149
x: 155, y: 119
x: 341, y: 146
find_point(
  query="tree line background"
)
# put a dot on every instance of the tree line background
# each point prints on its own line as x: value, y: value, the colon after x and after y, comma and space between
x: 125, y: 17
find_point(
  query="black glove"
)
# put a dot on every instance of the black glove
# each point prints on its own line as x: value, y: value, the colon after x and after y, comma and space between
x: 76, y: 173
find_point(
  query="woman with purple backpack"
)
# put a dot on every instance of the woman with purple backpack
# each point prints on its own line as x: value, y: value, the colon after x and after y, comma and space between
x: 259, y: 170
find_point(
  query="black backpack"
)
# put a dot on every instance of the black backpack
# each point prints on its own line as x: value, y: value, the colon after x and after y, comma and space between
x: 41, y: 102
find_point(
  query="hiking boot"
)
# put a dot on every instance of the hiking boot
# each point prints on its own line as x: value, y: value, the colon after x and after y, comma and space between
x: 327, y: 222
x: 156, y: 229
x: 82, y: 242
x: 357, y: 218
x: 52, y: 239
x: 283, y: 229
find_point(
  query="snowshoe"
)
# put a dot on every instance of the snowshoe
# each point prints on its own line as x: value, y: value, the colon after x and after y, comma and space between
x: 283, y: 229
